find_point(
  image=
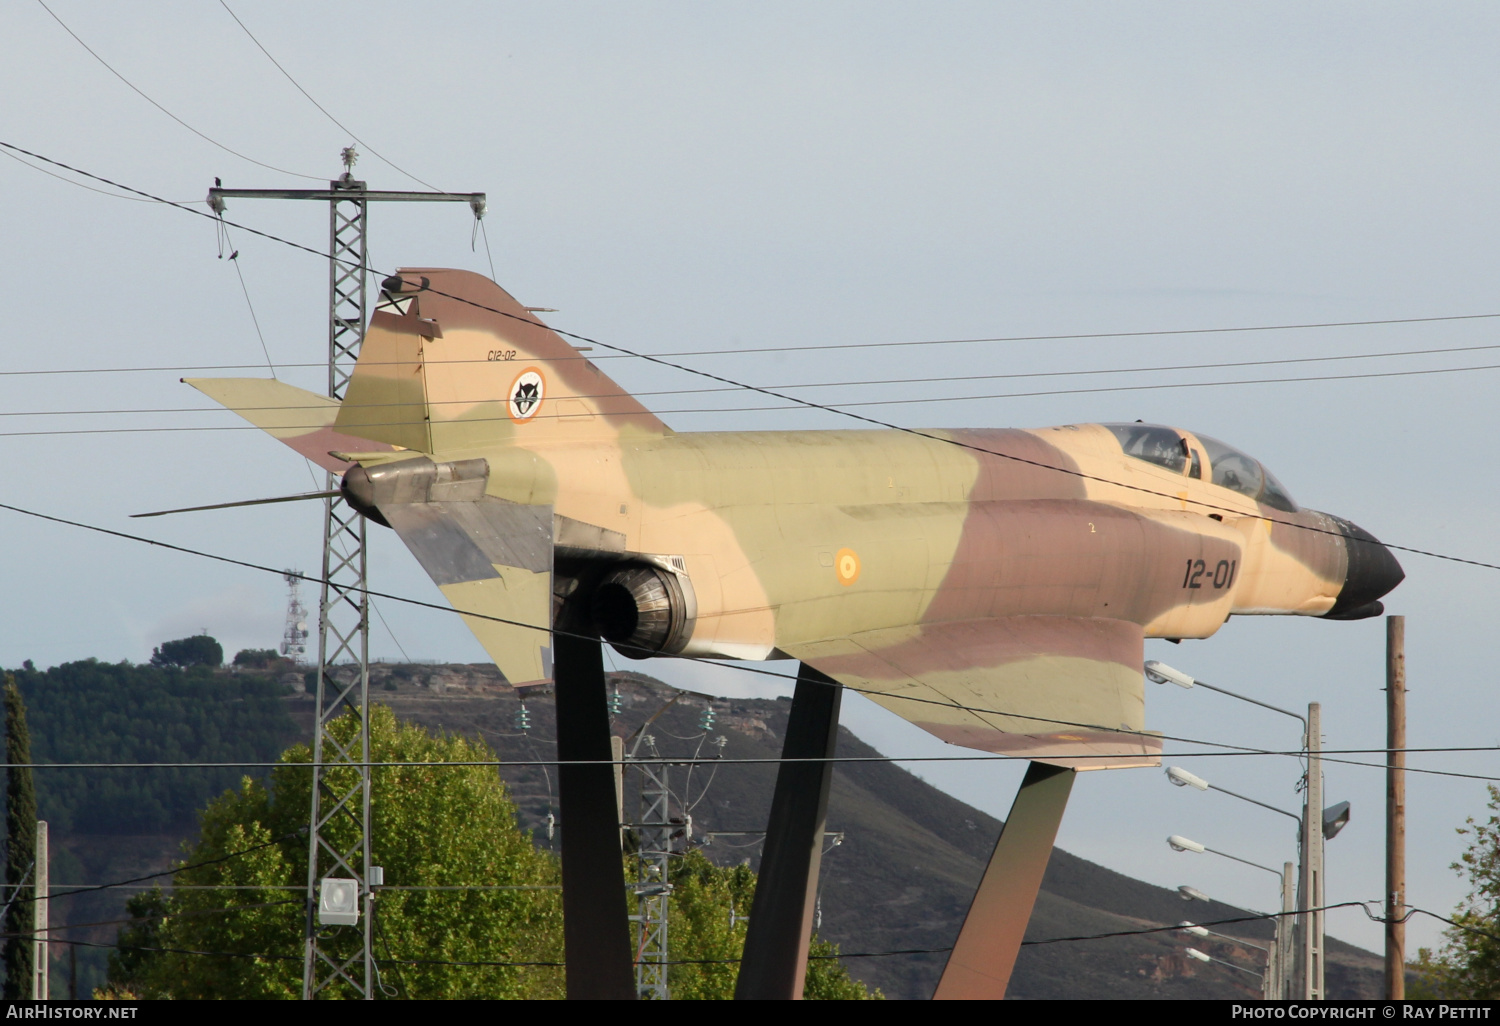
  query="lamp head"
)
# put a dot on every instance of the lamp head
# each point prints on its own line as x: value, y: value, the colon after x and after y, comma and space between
x: 1335, y: 817
x: 1160, y: 673
x: 1180, y: 843
x: 1182, y: 778
x: 1192, y: 894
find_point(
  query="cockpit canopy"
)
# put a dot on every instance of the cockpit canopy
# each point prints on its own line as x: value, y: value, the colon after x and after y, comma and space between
x: 1186, y: 454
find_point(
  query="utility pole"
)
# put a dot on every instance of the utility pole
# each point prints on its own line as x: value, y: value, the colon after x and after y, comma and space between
x: 343, y: 614
x: 1395, y: 808
x: 39, y: 984
x: 1310, y: 888
x: 1285, y: 931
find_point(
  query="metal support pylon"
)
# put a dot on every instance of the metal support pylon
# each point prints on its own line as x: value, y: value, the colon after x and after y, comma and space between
x: 339, y: 824
x: 339, y: 834
x: 653, y: 884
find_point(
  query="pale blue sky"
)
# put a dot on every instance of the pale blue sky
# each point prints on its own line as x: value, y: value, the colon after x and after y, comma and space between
x: 684, y: 176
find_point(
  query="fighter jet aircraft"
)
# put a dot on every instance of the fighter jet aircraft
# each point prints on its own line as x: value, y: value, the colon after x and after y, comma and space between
x: 991, y: 586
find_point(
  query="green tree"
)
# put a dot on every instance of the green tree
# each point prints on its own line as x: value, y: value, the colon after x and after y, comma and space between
x: 432, y: 825
x: 1467, y: 966
x: 199, y: 650
x: 700, y: 932
x: 20, y: 847
x: 88, y: 711
x: 437, y: 826
x: 255, y: 658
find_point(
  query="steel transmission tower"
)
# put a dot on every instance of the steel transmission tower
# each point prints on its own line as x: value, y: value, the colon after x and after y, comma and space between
x: 339, y: 878
x: 652, y: 882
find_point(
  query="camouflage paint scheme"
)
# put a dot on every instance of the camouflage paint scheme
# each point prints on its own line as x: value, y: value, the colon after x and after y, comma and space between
x: 995, y: 592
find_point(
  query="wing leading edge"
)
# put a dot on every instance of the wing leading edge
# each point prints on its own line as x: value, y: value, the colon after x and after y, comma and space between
x: 1062, y: 690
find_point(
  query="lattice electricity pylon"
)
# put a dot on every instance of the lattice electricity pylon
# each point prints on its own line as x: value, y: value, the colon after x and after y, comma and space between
x: 339, y: 831
x: 652, y: 883
x: 343, y: 621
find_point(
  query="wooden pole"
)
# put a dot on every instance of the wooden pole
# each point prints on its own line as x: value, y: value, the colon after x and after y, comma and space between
x: 1395, y: 807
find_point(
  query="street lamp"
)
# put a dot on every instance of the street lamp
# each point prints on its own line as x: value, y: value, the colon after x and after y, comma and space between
x: 1333, y: 820
x: 1312, y: 833
x: 1159, y: 672
x: 1200, y: 956
x: 1179, y: 843
x: 1202, y: 931
x: 1335, y: 817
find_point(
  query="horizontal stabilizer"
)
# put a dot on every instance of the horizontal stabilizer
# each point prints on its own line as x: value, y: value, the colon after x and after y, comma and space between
x: 1062, y: 690
x: 300, y: 419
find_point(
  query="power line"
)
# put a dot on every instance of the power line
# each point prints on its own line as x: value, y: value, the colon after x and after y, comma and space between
x: 1161, y: 332
x: 845, y: 384
x: 1099, y: 371
x: 174, y: 117
x: 162, y: 915
x: 1237, y: 752
x: 234, y: 258
x: 770, y: 393
x: 950, y: 704
x: 477, y: 963
x: 60, y: 178
x: 166, y: 872
x: 809, y: 404
x: 318, y: 105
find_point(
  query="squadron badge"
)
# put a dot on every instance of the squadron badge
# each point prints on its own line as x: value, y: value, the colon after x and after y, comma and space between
x: 526, y: 394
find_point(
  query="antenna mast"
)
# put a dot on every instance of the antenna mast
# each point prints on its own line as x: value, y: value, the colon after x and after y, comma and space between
x: 294, y: 635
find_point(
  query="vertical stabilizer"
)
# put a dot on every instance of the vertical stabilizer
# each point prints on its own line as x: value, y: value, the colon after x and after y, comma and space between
x: 452, y: 362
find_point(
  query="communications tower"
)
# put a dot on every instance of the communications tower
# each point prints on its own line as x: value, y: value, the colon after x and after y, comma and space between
x: 294, y: 636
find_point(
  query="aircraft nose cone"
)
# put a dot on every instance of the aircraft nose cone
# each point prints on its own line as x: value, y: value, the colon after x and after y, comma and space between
x: 1372, y: 572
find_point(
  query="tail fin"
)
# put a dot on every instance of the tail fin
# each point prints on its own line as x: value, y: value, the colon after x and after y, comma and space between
x: 452, y: 362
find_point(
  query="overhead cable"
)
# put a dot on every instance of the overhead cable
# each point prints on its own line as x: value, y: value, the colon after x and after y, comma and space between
x: 863, y: 418
x: 951, y: 704
x: 318, y: 105
x: 829, y: 384
x: 134, y: 88
x: 166, y: 872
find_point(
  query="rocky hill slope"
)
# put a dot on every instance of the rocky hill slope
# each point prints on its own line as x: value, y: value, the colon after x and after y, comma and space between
x: 909, y: 855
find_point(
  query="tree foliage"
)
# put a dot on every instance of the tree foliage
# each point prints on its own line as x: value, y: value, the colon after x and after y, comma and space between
x: 20, y: 847
x: 199, y: 650
x: 431, y: 826
x: 90, y: 711
x: 256, y: 658
x: 707, y: 922
x: 1468, y: 964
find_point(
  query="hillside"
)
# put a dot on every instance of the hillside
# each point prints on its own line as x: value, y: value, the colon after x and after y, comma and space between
x: 909, y: 861
x: 901, y: 878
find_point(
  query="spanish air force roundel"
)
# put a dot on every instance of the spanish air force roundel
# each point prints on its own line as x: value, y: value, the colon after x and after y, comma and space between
x: 526, y: 394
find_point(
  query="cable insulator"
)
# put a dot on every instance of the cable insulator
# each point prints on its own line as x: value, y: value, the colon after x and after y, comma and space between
x: 616, y: 703
x: 523, y: 724
x: 706, y: 721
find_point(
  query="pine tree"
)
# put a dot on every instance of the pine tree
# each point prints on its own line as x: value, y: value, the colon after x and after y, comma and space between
x: 20, y: 847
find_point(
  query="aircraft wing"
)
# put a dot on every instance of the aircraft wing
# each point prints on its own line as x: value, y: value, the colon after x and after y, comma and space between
x: 1062, y: 690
